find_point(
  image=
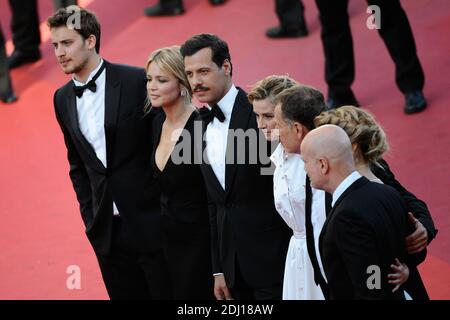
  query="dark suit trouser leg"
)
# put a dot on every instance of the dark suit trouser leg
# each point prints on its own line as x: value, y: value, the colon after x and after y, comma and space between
x: 290, y: 13
x: 171, y: 4
x: 133, y: 275
x: 5, y: 80
x: 243, y: 291
x: 398, y: 37
x: 25, y: 25
x: 337, y: 46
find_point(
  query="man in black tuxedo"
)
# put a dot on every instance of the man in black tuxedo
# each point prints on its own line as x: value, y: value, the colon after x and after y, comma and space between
x: 416, y: 242
x: 339, y: 60
x: 100, y: 112
x: 249, y: 238
x: 367, y: 225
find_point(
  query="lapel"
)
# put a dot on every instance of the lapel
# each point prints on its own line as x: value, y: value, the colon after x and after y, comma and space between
x: 112, y: 103
x: 355, y: 185
x: 73, y: 118
x: 310, y: 230
x: 239, y: 120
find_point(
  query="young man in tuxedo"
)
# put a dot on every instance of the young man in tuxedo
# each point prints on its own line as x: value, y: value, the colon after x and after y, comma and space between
x: 367, y: 225
x: 108, y: 140
x: 249, y: 238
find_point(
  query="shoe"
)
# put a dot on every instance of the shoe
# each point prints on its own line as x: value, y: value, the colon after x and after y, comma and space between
x: 414, y: 102
x: 159, y: 11
x: 279, y: 32
x: 18, y: 58
x: 217, y: 2
x: 8, y: 98
x: 348, y: 99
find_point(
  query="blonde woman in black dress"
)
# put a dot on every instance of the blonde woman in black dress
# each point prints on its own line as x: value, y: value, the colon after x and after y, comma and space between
x: 183, y: 195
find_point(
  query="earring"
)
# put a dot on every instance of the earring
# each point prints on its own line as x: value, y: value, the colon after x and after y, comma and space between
x: 183, y: 92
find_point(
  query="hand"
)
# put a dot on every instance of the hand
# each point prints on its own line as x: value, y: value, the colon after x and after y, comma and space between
x: 221, y: 291
x: 400, y: 276
x: 418, y: 240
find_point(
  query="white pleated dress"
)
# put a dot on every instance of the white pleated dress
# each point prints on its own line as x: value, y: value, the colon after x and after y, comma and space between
x: 289, y: 195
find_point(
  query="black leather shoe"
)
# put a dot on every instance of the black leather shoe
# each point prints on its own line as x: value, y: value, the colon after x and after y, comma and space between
x: 414, y: 102
x: 159, y: 11
x: 279, y: 32
x: 18, y: 58
x: 8, y: 98
x: 217, y: 2
x: 336, y: 101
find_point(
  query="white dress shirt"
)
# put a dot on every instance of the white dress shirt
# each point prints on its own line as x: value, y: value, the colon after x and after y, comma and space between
x: 344, y: 185
x: 289, y: 191
x: 91, y: 116
x: 217, y: 135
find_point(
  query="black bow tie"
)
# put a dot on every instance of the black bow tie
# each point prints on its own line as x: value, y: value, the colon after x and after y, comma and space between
x: 209, y: 115
x: 79, y: 90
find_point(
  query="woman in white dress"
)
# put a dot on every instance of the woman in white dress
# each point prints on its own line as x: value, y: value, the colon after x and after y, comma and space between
x: 289, y: 192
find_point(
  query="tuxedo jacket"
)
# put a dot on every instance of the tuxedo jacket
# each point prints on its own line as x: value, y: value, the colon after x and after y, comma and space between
x: 414, y: 286
x: 246, y: 229
x: 128, y: 179
x: 366, y: 227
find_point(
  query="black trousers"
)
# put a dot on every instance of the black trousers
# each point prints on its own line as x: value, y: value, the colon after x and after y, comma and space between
x: 170, y: 4
x: 338, y: 45
x: 129, y: 274
x: 187, y: 251
x: 25, y: 25
x: 5, y: 80
x: 243, y: 291
x: 290, y: 13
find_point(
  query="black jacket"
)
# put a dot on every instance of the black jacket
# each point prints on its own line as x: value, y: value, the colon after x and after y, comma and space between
x: 246, y: 229
x: 414, y: 286
x: 128, y: 179
x: 366, y: 227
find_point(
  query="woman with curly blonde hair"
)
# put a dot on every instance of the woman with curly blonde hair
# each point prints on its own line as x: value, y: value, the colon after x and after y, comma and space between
x: 366, y: 135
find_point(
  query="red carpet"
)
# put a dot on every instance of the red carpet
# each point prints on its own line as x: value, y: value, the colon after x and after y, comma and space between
x: 41, y: 230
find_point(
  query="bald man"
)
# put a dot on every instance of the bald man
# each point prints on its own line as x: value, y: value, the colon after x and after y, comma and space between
x: 366, y: 228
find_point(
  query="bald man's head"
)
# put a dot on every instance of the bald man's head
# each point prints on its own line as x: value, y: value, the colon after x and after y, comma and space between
x: 328, y: 157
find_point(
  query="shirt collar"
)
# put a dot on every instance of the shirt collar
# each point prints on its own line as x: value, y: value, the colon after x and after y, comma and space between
x: 227, y: 102
x: 91, y: 75
x: 344, y: 185
x: 279, y: 156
